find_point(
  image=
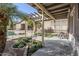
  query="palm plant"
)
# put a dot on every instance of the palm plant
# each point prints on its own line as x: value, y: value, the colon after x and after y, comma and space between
x: 37, y: 25
x: 30, y: 23
x: 7, y: 12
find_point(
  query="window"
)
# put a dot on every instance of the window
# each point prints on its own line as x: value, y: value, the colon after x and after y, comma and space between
x: 22, y: 26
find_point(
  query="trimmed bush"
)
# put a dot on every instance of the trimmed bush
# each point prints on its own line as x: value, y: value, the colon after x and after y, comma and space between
x: 34, y: 47
x: 22, y: 42
x: 50, y: 34
x: 39, y: 34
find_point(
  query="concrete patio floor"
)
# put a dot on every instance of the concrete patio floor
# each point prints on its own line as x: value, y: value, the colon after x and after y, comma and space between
x: 55, y: 47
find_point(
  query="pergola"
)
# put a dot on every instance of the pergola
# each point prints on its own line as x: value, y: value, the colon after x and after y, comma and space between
x: 54, y: 11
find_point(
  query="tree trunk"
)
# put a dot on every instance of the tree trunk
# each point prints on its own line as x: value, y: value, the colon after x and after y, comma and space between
x: 2, y: 39
x: 3, y: 27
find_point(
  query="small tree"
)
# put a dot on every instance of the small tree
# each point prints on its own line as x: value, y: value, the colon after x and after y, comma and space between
x: 7, y: 12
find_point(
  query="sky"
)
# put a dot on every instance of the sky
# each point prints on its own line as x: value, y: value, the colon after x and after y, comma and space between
x: 25, y: 8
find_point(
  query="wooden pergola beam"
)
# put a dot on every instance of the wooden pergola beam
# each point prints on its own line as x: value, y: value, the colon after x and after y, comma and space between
x: 57, y: 6
x: 60, y: 10
x: 40, y: 6
x: 63, y: 12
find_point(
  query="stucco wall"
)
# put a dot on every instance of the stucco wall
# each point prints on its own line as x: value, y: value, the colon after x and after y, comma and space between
x: 61, y: 25
x: 18, y: 26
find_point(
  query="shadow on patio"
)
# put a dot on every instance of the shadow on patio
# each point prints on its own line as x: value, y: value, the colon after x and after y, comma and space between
x: 55, y: 48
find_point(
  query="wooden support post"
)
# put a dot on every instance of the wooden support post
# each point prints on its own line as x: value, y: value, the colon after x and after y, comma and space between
x: 74, y: 25
x: 25, y: 29
x: 54, y: 26
x: 34, y: 27
x: 43, y: 28
x: 75, y: 19
x: 68, y: 17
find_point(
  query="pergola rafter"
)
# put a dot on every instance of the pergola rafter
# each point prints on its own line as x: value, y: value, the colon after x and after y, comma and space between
x: 63, y: 9
x: 40, y: 6
x: 56, y: 6
x: 62, y: 12
x: 55, y: 9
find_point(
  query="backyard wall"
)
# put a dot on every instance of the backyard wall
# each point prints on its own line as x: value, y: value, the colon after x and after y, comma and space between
x: 61, y: 25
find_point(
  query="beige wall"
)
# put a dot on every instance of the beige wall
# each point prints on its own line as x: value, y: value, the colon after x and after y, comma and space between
x: 60, y: 25
x: 18, y: 26
x: 49, y: 24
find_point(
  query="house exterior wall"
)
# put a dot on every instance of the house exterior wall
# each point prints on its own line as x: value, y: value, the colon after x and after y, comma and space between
x: 18, y: 26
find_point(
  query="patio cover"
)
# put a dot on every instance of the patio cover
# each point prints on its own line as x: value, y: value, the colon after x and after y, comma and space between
x: 53, y: 11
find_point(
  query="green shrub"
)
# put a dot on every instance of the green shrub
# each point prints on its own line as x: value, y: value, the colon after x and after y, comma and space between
x: 39, y: 34
x: 16, y: 45
x: 25, y: 39
x: 22, y: 42
x: 34, y: 47
x: 19, y: 45
x: 50, y: 34
x: 35, y: 33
